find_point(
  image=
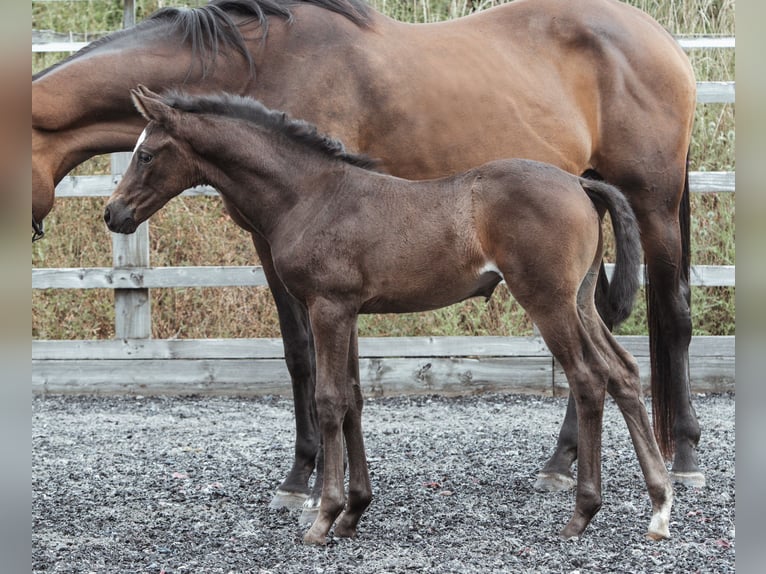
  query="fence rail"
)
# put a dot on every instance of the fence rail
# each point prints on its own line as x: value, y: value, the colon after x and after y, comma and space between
x: 50, y: 41
x: 388, y: 366
x: 135, y: 363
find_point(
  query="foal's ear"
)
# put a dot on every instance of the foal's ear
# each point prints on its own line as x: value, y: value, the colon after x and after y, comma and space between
x: 149, y: 104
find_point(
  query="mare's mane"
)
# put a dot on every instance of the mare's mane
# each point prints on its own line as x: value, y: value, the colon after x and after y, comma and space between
x: 253, y: 111
x: 206, y: 28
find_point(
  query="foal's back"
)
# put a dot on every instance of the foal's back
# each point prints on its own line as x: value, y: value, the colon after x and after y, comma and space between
x: 406, y: 246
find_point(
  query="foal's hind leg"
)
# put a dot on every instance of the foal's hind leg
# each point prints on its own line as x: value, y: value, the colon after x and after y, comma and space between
x: 625, y: 387
x: 587, y: 375
x: 556, y: 475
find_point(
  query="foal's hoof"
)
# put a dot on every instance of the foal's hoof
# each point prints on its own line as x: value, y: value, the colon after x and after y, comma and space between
x: 690, y: 479
x: 310, y: 510
x: 570, y: 533
x: 289, y: 500
x: 314, y: 538
x: 659, y: 525
x: 658, y: 535
x: 658, y: 528
x: 345, y: 527
x: 553, y: 482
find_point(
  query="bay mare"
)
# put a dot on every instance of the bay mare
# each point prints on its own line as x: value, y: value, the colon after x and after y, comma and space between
x: 594, y: 87
x: 346, y: 240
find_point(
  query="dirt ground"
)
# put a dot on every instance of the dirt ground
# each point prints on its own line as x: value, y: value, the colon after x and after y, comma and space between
x: 172, y: 485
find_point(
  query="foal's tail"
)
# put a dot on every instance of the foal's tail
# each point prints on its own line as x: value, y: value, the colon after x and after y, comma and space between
x: 625, y: 279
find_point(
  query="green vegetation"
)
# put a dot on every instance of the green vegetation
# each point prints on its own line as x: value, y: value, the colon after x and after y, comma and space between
x: 196, y: 231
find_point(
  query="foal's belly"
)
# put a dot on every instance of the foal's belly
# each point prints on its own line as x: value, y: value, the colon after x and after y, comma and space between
x: 412, y: 297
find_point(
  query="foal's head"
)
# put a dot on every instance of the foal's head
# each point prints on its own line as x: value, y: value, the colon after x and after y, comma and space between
x: 162, y: 166
x: 174, y: 152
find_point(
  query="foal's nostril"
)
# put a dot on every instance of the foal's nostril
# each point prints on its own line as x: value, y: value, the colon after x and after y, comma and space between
x: 107, y: 215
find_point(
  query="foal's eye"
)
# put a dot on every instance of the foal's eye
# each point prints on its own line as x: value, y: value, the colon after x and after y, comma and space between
x: 145, y: 158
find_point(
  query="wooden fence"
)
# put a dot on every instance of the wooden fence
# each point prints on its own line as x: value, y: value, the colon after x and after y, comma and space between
x: 135, y: 363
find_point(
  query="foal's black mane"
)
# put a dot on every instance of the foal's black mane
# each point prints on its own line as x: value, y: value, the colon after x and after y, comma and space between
x: 253, y: 111
x: 210, y: 26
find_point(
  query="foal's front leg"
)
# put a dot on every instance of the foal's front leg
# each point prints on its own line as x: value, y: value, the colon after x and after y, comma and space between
x: 332, y: 326
x: 359, y: 489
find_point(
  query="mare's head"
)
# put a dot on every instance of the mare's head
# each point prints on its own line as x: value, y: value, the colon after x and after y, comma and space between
x: 162, y: 166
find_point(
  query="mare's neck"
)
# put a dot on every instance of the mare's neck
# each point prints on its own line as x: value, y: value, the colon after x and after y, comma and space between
x: 74, y: 120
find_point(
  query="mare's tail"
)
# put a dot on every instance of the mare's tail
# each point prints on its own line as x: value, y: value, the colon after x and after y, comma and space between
x: 625, y: 279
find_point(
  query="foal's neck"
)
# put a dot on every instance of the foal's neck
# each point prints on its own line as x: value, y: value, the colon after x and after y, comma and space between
x: 267, y: 176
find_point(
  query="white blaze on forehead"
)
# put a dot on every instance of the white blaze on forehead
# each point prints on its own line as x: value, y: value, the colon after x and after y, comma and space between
x: 141, y: 139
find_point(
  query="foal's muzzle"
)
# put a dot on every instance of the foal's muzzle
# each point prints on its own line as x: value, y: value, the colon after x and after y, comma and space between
x: 119, y: 218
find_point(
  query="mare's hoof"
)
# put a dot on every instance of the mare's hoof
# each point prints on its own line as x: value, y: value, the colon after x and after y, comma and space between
x: 310, y: 510
x: 289, y: 500
x: 691, y: 479
x: 553, y: 482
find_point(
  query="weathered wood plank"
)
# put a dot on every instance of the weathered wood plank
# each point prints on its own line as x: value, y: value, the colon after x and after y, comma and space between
x: 715, y: 92
x: 708, y: 374
x: 712, y: 364
x: 148, y: 277
x: 698, y: 42
x: 369, y: 347
x: 389, y: 366
x: 380, y: 377
x: 712, y: 181
x: 251, y: 349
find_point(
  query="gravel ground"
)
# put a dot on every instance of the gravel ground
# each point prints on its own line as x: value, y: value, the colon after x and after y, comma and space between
x: 123, y: 484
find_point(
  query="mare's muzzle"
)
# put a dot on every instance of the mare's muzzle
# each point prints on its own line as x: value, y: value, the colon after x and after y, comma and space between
x: 119, y: 217
x: 38, y: 232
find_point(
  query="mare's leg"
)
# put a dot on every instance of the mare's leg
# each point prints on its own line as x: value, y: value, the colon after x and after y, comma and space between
x: 660, y: 200
x: 556, y: 475
x: 670, y: 329
x: 299, y: 357
x: 359, y: 488
x: 332, y: 326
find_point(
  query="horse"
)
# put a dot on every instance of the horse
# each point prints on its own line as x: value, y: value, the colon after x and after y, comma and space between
x: 348, y: 240
x: 596, y: 87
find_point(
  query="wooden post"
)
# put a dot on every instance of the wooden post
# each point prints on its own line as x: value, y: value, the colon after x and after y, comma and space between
x: 129, y: 14
x: 132, y: 307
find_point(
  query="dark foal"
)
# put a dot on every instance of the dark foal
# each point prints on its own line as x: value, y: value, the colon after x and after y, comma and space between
x: 593, y: 86
x: 347, y: 240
